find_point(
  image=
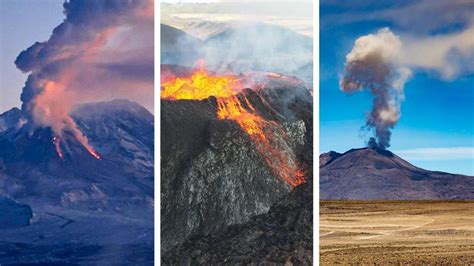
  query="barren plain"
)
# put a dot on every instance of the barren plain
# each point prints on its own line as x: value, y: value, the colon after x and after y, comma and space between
x: 397, y: 232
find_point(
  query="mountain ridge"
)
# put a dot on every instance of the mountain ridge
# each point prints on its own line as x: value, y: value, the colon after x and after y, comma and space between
x: 368, y: 173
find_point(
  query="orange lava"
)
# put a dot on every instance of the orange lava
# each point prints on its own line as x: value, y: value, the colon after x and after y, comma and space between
x: 200, y: 86
x: 57, y: 145
x: 93, y: 152
x: 269, y: 137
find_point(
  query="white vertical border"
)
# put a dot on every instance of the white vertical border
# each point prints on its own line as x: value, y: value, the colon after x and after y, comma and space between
x: 315, y: 132
x: 157, y: 115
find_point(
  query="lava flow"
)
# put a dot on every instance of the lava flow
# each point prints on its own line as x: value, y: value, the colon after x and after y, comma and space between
x: 269, y: 137
x: 57, y: 145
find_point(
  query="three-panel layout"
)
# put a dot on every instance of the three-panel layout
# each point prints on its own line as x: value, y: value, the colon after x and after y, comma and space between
x: 214, y: 160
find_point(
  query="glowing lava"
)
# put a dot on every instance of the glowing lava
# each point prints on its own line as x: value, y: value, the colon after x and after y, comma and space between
x: 57, y: 145
x: 200, y: 86
x: 269, y: 137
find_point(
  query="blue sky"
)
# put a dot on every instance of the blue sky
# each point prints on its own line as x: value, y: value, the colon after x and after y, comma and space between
x: 21, y: 26
x: 436, y: 129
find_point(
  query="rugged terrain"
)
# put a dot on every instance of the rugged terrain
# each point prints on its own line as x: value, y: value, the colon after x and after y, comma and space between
x: 84, y: 210
x: 379, y: 174
x: 212, y: 173
x: 397, y: 232
x: 283, y: 236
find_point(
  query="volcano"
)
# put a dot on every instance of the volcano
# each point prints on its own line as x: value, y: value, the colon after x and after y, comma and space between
x: 229, y: 152
x: 370, y: 174
x: 73, y: 194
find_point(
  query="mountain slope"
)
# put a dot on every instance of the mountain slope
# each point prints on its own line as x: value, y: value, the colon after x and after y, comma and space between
x: 212, y: 173
x: 282, y: 236
x: 379, y: 174
x: 178, y: 47
x: 85, y: 211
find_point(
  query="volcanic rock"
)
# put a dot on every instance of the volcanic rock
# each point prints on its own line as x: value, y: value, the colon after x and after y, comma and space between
x: 212, y: 174
x: 283, y: 236
x: 369, y: 174
x: 14, y: 214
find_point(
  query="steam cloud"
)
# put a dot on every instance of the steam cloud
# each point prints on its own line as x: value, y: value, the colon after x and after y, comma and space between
x: 79, y: 61
x: 374, y: 64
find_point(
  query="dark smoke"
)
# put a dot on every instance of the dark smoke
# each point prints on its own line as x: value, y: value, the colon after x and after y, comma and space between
x: 372, y: 65
x: 62, y: 68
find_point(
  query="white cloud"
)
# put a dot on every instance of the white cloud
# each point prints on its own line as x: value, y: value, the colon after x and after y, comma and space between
x: 440, y: 153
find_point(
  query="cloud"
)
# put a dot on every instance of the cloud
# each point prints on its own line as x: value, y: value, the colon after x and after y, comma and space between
x: 420, y: 17
x: 84, y: 59
x: 374, y: 64
x: 440, y: 153
x: 450, y: 55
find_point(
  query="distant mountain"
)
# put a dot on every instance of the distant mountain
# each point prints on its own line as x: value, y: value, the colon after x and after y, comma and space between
x: 85, y: 211
x: 259, y: 46
x: 242, y: 47
x: 178, y: 47
x: 11, y: 119
x: 379, y: 174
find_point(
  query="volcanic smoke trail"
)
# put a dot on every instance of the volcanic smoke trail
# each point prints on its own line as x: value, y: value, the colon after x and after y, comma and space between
x: 373, y: 64
x: 51, y: 88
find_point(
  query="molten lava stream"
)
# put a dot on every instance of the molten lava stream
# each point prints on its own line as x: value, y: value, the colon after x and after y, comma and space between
x: 268, y: 136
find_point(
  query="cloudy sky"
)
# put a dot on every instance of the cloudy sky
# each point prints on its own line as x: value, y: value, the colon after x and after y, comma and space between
x: 99, y: 51
x: 185, y: 15
x: 436, y: 129
x: 17, y: 34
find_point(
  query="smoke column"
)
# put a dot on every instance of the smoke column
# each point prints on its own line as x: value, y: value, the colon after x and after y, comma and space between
x: 373, y: 64
x: 51, y: 89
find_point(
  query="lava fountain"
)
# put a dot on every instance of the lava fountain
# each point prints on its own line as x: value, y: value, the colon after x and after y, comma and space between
x: 269, y: 136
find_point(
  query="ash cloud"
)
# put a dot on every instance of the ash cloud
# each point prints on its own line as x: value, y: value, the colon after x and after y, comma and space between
x: 374, y: 65
x: 82, y: 59
x: 381, y: 63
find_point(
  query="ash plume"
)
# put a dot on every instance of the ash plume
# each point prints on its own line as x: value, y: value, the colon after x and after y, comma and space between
x: 374, y: 65
x: 78, y: 62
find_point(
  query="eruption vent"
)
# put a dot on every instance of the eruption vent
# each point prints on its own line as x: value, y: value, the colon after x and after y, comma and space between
x: 373, y: 64
x: 269, y: 137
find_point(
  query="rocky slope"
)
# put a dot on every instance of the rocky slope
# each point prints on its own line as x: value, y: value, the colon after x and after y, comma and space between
x: 283, y: 236
x: 379, y: 174
x: 212, y: 174
x: 82, y: 206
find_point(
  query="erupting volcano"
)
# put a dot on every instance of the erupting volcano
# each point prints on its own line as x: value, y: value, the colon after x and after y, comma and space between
x: 269, y: 136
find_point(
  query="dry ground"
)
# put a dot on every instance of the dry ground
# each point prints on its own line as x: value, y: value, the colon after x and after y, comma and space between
x: 397, y: 232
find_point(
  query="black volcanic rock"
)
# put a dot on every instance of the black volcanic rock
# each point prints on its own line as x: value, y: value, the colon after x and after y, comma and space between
x: 379, y: 174
x: 283, y: 236
x: 14, y: 214
x: 212, y: 175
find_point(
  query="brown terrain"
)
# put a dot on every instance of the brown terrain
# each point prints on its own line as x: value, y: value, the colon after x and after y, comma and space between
x: 397, y: 232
